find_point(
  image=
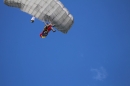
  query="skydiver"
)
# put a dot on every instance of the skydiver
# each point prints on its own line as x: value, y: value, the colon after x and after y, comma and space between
x: 32, y: 19
x: 46, y: 30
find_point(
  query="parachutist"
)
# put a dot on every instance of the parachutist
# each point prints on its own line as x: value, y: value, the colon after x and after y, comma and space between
x: 46, y: 30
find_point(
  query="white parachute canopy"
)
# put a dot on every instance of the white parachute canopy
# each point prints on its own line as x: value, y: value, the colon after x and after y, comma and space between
x: 51, y: 11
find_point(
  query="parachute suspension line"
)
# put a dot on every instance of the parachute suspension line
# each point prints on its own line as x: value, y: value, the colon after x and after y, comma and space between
x: 49, y: 20
x: 45, y: 23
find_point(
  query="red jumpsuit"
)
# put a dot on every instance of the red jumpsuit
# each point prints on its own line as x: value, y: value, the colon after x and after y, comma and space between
x: 46, y: 30
x: 49, y: 28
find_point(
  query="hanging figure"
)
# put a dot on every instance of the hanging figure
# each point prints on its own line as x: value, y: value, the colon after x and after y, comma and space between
x: 32, y: 19
x: 46, y: 30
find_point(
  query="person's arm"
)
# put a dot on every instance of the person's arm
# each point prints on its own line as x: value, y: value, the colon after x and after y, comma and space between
x: 45, y: 28
x: 53, y: 29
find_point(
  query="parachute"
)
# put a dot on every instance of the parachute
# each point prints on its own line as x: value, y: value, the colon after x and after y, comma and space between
x: 52, y: 11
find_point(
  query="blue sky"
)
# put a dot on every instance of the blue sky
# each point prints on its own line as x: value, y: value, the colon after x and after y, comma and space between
x: 95, y: 52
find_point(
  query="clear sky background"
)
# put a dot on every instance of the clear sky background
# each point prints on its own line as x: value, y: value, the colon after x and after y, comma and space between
x: 95, y: 51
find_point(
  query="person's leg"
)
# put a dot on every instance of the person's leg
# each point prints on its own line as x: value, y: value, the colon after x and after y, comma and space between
x: 45, y: 33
